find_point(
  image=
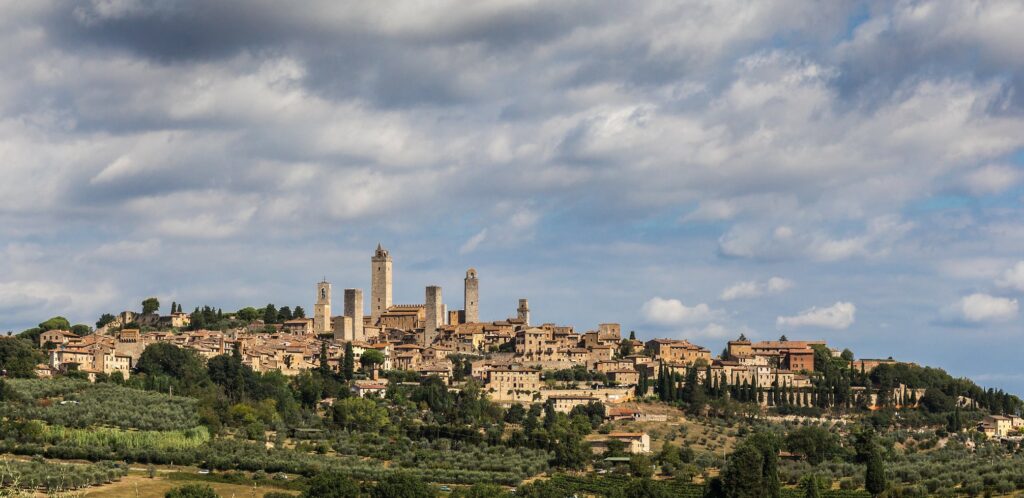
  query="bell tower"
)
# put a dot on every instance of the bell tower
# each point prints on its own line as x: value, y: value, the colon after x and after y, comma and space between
x: 380, y: 283
x: 322, y: 308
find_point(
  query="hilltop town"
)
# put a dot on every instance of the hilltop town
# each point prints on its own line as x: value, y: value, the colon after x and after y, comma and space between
x: 514, y: 359
x: 417, y: 399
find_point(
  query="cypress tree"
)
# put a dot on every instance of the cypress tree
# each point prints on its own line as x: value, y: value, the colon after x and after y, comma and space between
x: 350, y: 362
x: 811, y: 487
x: 874, y: 474
x: 325, y: 367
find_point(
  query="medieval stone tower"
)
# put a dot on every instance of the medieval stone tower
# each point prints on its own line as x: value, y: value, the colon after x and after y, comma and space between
x: 322, y: 308
x: 354, y: 311
x: 472, y: 297
x: 524, y: 311
x: 435, y: 314
x: 380, y: 283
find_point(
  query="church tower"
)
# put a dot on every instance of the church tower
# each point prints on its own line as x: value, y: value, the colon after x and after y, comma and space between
x: 523, y: 313
x: 472, y: 297
x: 322, y: 308
x: 380, y: 283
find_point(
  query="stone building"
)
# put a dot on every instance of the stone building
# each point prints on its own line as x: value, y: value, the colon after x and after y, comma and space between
x: 353, y: 310
x: 471, y: 293
x: 434, y: 314
x: 523, y: 312
x: 322, y: 308
x: 380, y: 283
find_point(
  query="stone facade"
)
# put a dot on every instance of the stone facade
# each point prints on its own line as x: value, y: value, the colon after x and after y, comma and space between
x: 472, y: 297
x: 381, y: 281
x: 435, y: 314
x: 354, y: 311
x: 523, y: 313
x: 322, y: 309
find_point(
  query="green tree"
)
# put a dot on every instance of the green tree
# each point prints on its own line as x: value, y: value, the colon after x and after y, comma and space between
x: 104, y: 320
x: 640, y: 465
x: 481, y: 490
x: 168, y: 364
x: 331, y: 485
x: 269, y: 314
x: 81, y: 329
x: 874, y: 474
x: 646, y: 488
x: 370, y: 359
x: 192, y: 491
x: 18, y: 357
x: 349, y: 363
x: 811, y: 487
x: 325, y: 366
x: 956, y: 422
x: 359, y: 414
x: 816, y: 443
x: 284, y: 314
x: 299, y: 312
x: 55, y: 323
x: 401, y: 485
x: 741, y: 477
x: 247, y: 314
x: 150, y: 305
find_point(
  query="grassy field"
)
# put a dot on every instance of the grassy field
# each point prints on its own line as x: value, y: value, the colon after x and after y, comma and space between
x: 681, y: 430
x: 135, y: 486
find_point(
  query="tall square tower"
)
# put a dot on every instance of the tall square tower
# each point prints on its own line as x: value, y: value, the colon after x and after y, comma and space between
x: 472, y: 297
x: 380, y: 283
x: 322, y: 308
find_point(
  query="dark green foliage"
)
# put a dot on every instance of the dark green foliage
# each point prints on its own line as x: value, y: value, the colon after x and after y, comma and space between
x: 81, y: 329
x: 371, y: 358
x: 936, y: 401
x: 349, y: 362
x: 105, y: 319
x: 811, y: 487
x: 192, y: 491
x: 401, y: 485
x: 299, y: 312
x: 18, y: 357
x: 167, y: 364
x: 741, y: 477
x: 815, y: 443
x: 270, y: 314
x: 247, y: 314
x: 481, y: 490
x: 359, y: 414
x: 284, y: 314
x: 332, y: 485
x: 150, y: 305
x: 55, y: 323
x: 874, y: 474
x: 646, y: 488
x: 752, y: 470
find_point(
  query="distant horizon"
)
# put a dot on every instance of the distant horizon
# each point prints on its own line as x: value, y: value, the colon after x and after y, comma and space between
x: 851, y: 171
x: 643, y: 334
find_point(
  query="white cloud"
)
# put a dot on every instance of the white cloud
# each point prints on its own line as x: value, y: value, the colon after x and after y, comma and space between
x: 668, y: 312
x: 1013, y: 277
x: 839, y: 316
x: 978, y: 307
x: 744, y: 290
x: 756, y: 241
x: 991, y: 179
x: 717, y: 331
x: 473, y: 242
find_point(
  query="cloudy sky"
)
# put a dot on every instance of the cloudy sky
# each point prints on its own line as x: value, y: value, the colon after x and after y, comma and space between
x: 842, y: 170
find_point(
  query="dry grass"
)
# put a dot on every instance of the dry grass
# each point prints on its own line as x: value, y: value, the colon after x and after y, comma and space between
x: 680, y: 430
x: 135, y: 486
